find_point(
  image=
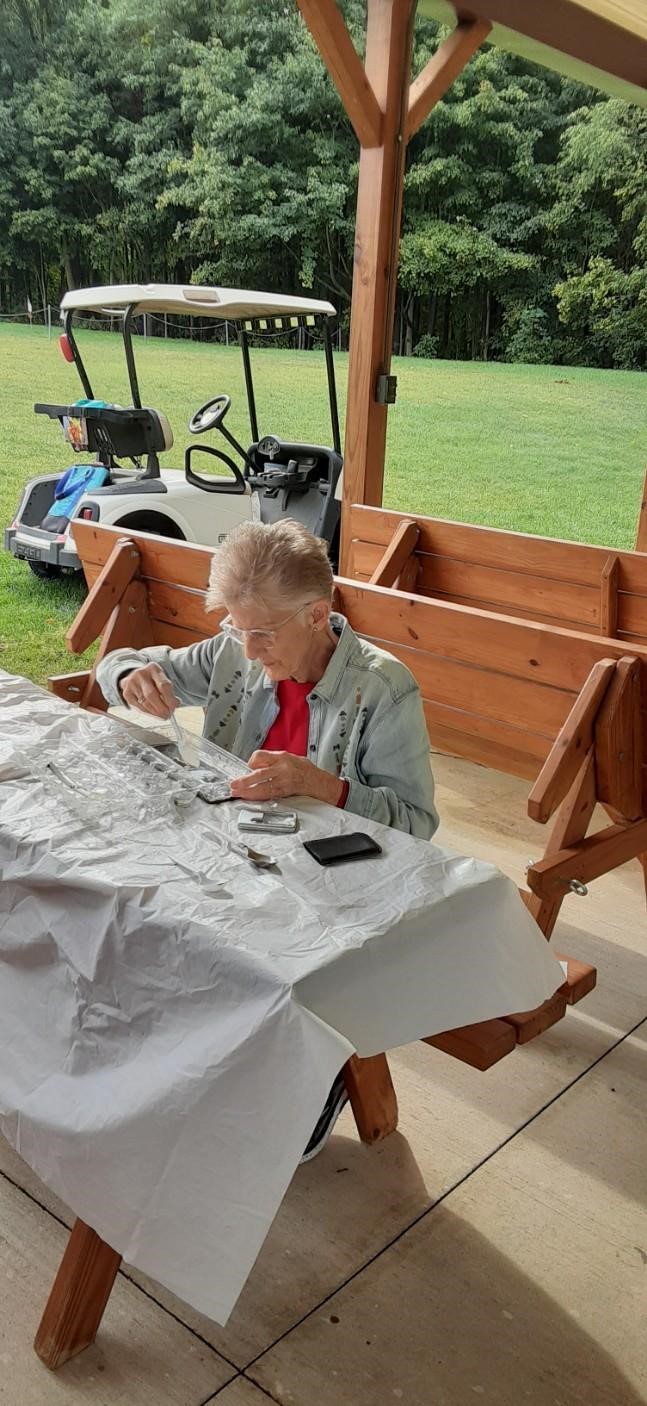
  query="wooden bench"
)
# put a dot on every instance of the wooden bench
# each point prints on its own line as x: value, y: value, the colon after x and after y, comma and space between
x: 560, y: 706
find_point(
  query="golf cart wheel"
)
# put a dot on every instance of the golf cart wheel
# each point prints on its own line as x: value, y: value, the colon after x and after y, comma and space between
x: 45, y: 571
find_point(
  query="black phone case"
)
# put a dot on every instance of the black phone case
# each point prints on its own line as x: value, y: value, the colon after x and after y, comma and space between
x: 336, y: 849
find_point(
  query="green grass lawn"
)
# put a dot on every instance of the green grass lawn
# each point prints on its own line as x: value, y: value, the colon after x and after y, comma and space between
x: 552, y: 450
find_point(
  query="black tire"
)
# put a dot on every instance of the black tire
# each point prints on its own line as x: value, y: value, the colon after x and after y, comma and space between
x: 45, y: 570
x: 147, y: 521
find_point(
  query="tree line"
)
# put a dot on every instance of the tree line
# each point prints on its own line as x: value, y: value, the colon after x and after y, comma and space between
x: 177, y: 142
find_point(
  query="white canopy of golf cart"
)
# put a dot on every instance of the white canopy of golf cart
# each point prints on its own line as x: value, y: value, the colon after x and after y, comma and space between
x: 236, y: 304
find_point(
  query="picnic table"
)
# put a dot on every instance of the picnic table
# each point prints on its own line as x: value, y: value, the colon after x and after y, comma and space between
x: 171, y: 1018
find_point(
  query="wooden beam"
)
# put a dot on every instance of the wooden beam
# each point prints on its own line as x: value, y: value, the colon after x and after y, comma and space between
x: 619, y: 743
x: 443, y: 67
x: 327, y: 27
x: 129, y: 627
x: 609, y: 597
x: 571, y: 825
x: 596, y: 855
x: 397, y: 554
x: 372, y: 1097
x: 78, y: 1297
x: 71, y: 687
x: 377, y: 238
x: 480, y: 1045
x: 572, y: 743
x: 122, y: 564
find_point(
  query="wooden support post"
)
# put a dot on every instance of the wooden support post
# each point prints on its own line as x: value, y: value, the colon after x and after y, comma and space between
x: 122, y: 565
x: 78, y: 1297
x: 397, y: 554
x: 377, y: 237
x: 609, y: 597
x: 372, y: 1097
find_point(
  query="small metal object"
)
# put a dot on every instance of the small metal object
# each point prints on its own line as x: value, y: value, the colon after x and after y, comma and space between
x: 386, y: 389
x: 576, y: 886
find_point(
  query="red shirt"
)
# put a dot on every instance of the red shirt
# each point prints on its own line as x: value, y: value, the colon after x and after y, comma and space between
x: 289, y: 731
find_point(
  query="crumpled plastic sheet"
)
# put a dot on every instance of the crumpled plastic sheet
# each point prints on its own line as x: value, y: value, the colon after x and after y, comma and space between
x: 171, y: 1018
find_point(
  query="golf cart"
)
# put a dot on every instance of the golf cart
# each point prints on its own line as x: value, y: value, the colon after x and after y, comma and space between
x: 120, y: 483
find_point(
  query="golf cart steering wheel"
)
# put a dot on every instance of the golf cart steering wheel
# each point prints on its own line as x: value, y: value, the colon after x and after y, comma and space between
x: 210, y: 415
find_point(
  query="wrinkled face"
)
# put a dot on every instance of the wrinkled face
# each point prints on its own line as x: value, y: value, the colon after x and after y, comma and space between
x: 281, y: 637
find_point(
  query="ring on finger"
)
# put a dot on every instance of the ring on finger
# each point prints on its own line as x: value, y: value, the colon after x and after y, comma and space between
x: 270, y: 782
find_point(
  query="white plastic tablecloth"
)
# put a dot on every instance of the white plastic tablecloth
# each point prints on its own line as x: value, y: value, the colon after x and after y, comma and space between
x: 171, y: 1019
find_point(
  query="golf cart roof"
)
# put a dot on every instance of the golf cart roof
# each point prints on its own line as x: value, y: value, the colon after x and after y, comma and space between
x: 235, y: 304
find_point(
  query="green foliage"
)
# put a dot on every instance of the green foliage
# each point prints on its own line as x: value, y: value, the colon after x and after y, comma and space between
x: 530, y: 342
x: 172, y: 141
x: 427, y: 346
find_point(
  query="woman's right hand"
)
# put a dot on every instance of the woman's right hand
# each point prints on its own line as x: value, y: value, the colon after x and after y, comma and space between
x: 149, y: 690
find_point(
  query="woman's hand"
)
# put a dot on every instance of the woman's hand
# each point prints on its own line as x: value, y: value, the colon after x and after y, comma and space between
x: 279, y: 774
x: 149, y: 690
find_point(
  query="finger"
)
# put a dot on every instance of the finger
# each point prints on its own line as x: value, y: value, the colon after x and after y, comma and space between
x: 264, y: 759
x: 260, y: 785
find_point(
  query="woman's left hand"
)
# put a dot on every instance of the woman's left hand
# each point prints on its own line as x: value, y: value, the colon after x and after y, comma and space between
x: 275, y: 775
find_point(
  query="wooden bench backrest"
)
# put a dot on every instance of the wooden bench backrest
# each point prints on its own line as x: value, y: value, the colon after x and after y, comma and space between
x: 496, y: 689
x: 570, y: 584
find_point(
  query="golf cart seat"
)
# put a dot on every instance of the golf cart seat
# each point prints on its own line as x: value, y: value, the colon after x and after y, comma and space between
x: 112, y: 431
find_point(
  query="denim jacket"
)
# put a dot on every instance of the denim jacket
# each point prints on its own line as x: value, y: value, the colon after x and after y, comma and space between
x: 367, y: 724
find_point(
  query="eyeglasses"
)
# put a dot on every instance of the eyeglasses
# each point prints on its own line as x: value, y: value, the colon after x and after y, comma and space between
x: 257, y: 637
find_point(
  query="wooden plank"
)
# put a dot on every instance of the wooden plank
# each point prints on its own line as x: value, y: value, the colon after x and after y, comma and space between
x: 495, y: 588
x: 619, y: 742
x: 327, y: 27
x: 489, y: 546
x: 161, y: 557
x: 518, y: 648
x: 117, y: 573
x: 372, y: 1097
x: 506, y: 750
x: 498, y: 755
x: 398, y: 552
x: 78, y: 1297
x: 597, y: 854
x: 441, y: 70
x: 609, y: 596
x: 641, y: 530
x: 527, y: 1025
x: 69, y: 686
x: 524, y: 703
x: 632, y: 615
x: 480, y: 1045
x: 573, y: 741
x: 580, y: 980
x: 389, y: 39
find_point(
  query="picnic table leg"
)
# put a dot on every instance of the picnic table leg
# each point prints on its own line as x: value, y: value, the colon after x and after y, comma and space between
x: 372, y: 1097
x: 78, y: 1297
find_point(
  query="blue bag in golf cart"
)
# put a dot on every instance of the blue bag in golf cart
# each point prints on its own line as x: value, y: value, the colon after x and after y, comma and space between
x: 70, y: 488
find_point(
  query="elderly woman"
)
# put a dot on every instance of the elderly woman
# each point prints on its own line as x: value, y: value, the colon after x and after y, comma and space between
x: 288, y: 686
